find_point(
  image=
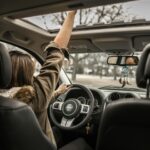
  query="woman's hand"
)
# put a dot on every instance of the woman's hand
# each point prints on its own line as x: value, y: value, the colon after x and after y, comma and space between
x: 62, y: 89
x: 72, y: 12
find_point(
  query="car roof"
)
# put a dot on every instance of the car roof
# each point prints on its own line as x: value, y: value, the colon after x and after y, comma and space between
x: 112, y: 39
x: 23, y: 8
x: 117, y: 38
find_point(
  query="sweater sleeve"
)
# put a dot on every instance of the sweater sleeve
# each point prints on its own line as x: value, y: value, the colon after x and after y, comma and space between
x: 45, y: 83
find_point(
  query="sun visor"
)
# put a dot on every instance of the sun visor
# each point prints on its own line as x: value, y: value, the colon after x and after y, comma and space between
x: 82, y: 46
x: 140, y: 42
x: 114, y: 45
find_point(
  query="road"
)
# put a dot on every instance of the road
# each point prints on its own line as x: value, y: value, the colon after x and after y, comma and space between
x: 97, y: 81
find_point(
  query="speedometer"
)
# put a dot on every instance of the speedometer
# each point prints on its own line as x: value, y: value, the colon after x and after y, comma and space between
x: 95, y: 102
x: 82, y: 100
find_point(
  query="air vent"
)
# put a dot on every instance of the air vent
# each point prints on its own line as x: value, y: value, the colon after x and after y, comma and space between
x: 114, y: 96
x: 129, y: 96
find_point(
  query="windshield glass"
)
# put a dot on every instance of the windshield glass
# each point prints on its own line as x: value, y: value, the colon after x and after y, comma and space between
x: 92, y: 70
x: 122, y: 12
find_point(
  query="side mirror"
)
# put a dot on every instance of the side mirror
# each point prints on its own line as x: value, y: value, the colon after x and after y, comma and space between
x: 123, y: 60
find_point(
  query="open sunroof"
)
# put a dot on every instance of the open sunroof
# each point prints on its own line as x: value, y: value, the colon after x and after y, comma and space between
x: 121, y: 13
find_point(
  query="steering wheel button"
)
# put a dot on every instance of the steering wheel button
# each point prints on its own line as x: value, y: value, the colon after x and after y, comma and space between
x: 85, y: 109
x: 56, y: 105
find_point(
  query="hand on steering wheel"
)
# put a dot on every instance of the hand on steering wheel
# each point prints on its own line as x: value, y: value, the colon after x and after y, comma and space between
x: 63, y: 88
x: 71, y: 108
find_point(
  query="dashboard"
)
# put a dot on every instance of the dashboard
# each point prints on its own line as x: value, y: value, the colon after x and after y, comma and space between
x: 102, y: 96
x: 84, y: 99
x: 120, y: 95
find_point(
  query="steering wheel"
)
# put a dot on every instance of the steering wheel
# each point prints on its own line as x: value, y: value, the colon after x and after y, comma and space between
x: 71, y: 109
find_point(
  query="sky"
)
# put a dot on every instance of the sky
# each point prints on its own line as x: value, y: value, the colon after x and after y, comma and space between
x: 139, y: 8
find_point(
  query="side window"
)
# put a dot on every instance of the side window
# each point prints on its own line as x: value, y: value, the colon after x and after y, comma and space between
x: 37, y: 67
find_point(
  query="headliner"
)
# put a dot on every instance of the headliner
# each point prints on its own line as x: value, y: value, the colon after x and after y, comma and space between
x: 24, y: 8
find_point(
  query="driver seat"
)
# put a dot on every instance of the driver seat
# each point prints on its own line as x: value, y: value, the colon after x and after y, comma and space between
x: 19, y: 128
x: 125, y: 124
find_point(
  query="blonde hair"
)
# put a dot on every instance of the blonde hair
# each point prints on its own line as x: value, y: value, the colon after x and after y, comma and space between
x: 22, y: 69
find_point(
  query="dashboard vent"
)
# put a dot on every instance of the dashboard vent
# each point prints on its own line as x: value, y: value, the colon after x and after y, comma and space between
x: 129, y: 96
x: 114, y: 96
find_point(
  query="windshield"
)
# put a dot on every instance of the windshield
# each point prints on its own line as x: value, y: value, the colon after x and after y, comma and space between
x: 92, y: 70
x: 122, y: 12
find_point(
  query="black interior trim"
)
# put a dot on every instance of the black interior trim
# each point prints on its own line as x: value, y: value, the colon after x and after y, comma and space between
x: 18, y: 9
x: 38, y: 57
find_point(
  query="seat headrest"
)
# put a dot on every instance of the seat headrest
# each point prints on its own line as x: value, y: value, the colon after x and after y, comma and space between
x: 5, y: 67
x: 19, y: 127
x: 143, y: 70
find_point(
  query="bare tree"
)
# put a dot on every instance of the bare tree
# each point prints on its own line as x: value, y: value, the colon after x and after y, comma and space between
x: 89, y: 16
x: 104, y: 14
x: 76, y: 62
x: 59, y: 17
x: 44, y: 22
x: 109, y: 14
x: 101, y: 14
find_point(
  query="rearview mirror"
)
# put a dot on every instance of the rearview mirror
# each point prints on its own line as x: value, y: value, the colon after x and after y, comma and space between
x: 123, y: 60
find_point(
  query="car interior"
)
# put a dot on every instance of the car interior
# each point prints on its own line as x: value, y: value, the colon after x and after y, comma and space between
x: 111, y: 94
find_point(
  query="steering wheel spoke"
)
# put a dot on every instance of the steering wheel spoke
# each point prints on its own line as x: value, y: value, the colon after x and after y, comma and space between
x: 71, y: 108
x: 67, y: 122
x: 84, y: 109
x: 57, y: 105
